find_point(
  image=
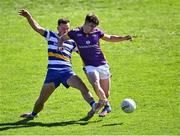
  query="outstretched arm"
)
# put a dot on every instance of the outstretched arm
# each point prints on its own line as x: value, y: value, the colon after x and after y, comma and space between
x: 31, y: 21
x: 115, y: 38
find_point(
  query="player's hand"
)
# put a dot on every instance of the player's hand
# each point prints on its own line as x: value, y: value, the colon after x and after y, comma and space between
x: 60, y: 48
x: 60, y: 45
x: 24, y: 13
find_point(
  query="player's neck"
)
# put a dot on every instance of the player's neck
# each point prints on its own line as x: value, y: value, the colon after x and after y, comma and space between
x: 84, y: 29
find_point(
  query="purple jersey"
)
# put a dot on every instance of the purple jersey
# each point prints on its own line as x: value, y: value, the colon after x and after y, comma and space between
x: 88, y: 46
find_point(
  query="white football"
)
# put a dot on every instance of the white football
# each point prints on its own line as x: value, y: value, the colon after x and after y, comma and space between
x: 128, y: 105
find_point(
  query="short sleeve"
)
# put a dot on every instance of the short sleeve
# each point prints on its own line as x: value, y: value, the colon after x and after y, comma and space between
x: 101, y: 33
x: 47, y: 35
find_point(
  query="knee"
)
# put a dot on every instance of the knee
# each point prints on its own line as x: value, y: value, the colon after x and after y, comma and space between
x: 107, y: 93
x: 96, y: 85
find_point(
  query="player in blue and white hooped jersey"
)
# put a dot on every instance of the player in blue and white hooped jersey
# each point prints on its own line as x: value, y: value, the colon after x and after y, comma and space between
x: 59, y: 65
x: 59, y: 61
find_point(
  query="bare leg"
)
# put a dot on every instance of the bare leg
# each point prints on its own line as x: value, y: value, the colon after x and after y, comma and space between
x: 46, y: 91
x: 93, y: 78
x: 105, y: 85
x: 75, y: 82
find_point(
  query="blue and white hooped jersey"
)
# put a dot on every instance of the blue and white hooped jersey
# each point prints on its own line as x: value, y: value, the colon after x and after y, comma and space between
x: 58, y: 59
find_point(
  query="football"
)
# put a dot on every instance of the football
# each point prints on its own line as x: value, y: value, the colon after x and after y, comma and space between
x: 128, y: 105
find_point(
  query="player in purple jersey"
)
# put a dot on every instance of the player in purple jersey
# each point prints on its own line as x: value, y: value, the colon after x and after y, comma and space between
x: 95, y: 65
x: 59, y: 66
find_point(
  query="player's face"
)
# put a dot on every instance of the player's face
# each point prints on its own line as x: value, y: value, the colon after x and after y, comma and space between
x: 63, y: 28
x: 89, y: 27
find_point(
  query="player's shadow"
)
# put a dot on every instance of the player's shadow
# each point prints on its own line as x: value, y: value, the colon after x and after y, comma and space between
x: 26, y: 123
x: 114, y: 124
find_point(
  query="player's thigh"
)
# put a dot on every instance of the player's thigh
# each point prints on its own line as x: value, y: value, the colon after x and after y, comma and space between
x: 75, y: 82
x: 46, y: 91
x: 93, y: 78
x: 92, y: 74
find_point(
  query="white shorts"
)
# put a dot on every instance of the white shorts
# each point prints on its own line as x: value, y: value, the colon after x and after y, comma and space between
x: 102, y: 71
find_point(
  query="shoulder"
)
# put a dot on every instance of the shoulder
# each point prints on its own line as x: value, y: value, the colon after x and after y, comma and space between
x: 77, y: 29
x: 97, y: 30
x: 50, y: 33
x: 74, y: 32
x: 53, y: 34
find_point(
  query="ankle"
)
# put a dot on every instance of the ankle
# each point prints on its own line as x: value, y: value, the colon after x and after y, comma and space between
x: 33, y: 113
x: 92, y: 103
x: 103, y: 102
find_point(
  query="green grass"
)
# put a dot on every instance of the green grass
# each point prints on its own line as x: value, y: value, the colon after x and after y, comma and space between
x: 146, y: 70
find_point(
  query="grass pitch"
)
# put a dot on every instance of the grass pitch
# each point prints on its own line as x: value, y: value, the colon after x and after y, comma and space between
x: 146, y: 69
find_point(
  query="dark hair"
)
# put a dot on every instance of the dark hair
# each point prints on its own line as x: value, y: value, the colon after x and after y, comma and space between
x: 92, y: 18
x: 63, y: 21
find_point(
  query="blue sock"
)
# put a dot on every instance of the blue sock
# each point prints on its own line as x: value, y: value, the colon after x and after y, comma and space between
x: 33, y: 113
x: 92, y: 102
x: 107, y: 105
